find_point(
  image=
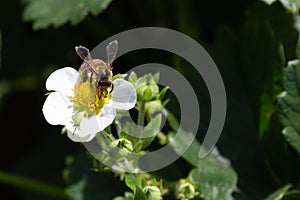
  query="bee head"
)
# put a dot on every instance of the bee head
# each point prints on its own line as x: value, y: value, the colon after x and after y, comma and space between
x: 103, y: 83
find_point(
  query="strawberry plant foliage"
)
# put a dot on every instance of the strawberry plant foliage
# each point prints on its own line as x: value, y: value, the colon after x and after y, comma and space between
x: 278, y: 194
x: 291, y: 5
x: 214, y: 176
x: 44, y: 13
x: 289, y: 101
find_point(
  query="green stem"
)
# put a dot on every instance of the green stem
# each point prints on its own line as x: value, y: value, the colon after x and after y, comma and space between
x: 141, y: 118
x: 32, y: 185
x: 292, y: 193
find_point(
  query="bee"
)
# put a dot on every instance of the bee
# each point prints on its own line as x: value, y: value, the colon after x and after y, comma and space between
x: 97, y: 71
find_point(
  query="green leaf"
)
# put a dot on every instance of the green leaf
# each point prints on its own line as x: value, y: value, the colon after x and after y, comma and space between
x: 161, y: 185
x: 128, y: 196
x: 139, y: 194
x: 132, y: 77
x: 291, y: 5
x: 154, y: 182
x: 262, y: 62
x: 283, y: 25
x: 156, y: 77
x: 269, y: 1
x: 123, y: 134
x: 129, y: 129
x: 293, y: 194
x: 132, y: 181
x: 269, y: 28
x: 151, y: 130
x: 263, y: 59
x: 289, y: 102
x: 214, y: 176
x: 278, y: 194
x: 241, y: 144
x: 173, y: 122
x: 96, y: 6
x: 162, y: 93
x: 45, y: 13
x: 292, y: 137
x: 154, y: 107
x: 117, y: 76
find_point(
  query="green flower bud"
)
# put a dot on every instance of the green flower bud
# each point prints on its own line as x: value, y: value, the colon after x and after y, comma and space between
x: 146, y: 88
x: 147, y: 94
x: 152, y: 192
x: 153, y: 107
x: 123, y: 146
x: 187, y: 190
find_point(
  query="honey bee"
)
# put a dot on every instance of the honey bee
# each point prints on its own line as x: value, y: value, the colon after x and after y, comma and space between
x: 97, y: 71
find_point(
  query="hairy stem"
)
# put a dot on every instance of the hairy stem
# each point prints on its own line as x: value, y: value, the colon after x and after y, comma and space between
x: 141, y: 118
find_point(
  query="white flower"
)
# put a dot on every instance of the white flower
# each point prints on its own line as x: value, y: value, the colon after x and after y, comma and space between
x: 76, y: 105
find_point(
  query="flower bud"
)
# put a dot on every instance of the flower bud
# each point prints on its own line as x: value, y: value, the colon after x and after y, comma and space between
x: 152, y: 192
x: 146, y: 88
x: 186, y: 190
x: 153, y: 107
x: 123, y: 146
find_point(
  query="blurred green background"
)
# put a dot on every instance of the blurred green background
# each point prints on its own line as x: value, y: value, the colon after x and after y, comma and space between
x: 250, y: 41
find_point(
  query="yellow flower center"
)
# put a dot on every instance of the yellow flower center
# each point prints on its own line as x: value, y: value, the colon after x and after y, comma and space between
x: 88, y: 98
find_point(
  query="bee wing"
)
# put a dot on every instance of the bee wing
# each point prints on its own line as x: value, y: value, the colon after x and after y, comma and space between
x: 83, y: 53
x: 111, y: 51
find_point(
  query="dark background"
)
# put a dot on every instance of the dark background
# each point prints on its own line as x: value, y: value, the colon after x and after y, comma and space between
x: 229, y: 30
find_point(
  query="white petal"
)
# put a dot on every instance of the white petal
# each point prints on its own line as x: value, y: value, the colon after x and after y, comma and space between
x: 123, y: 95
x: 76, y: 135
x: 98, y: 123
x: 63, y: 80
x: 57, y: 109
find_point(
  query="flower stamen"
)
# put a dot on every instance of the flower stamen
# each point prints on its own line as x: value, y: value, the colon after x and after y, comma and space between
x: 88, y: 98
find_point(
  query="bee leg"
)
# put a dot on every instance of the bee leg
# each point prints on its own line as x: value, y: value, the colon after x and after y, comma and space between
x: 91, y: 78
x: 112, y: 88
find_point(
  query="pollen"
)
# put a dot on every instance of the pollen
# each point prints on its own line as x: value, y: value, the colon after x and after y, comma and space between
x: 88, y: 98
